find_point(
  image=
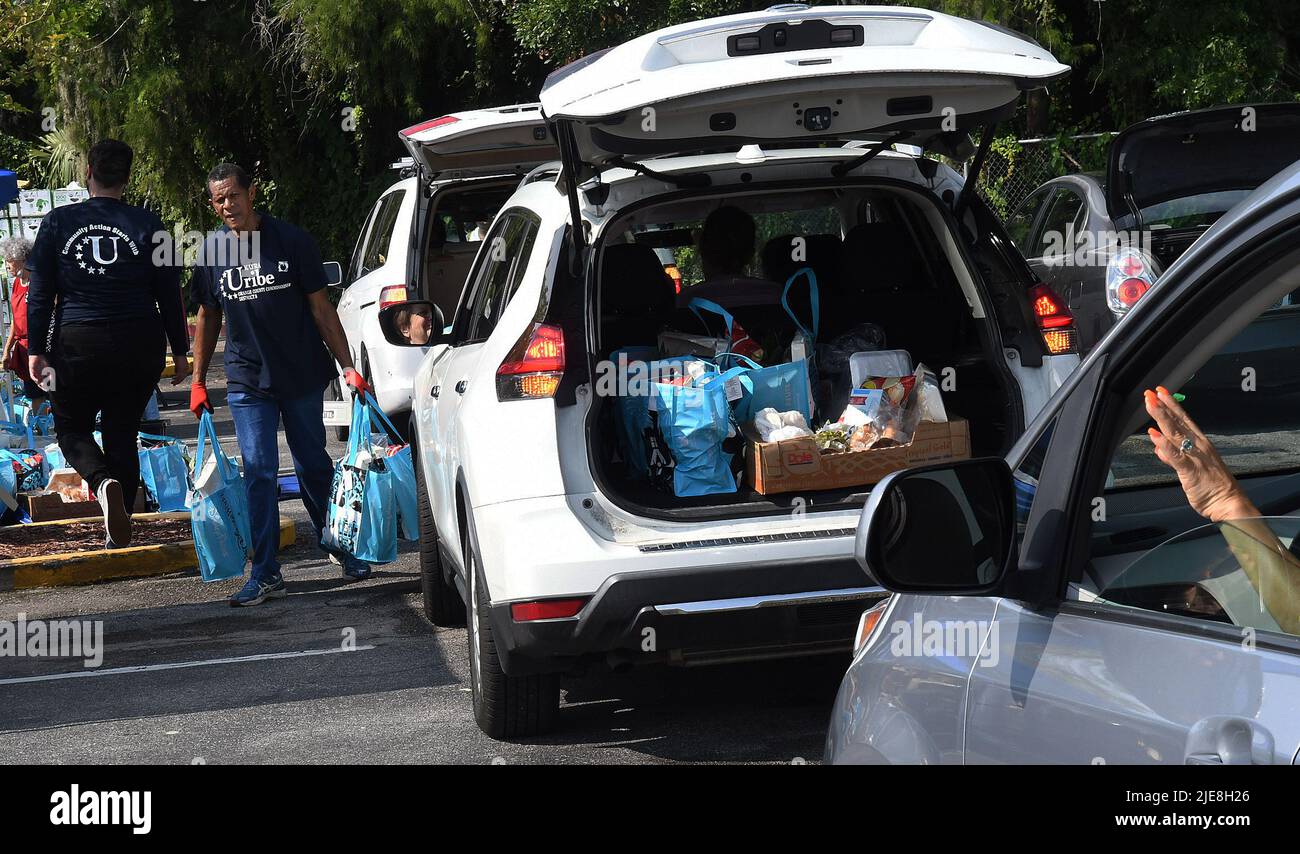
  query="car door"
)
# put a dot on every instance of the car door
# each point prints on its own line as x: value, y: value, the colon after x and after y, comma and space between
x: 1145, y: 633
x: 1050, y: 248
x: 1020, y: 222
x: 497, y: 269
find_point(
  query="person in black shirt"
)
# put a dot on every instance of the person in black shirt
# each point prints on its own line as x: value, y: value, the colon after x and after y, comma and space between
x: 100, y: 309
x: 265, y: 277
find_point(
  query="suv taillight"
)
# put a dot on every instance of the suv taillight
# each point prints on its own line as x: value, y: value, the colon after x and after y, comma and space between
x: 1129, y: 276
x: 390, y: 295
x: 533, y: 367
x: 1055, y: 322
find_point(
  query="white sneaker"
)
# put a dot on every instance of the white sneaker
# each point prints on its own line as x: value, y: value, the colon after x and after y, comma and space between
x: 117, y: 522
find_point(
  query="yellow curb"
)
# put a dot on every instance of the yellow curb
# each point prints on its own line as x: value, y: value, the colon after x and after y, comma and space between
x: 72, y: 568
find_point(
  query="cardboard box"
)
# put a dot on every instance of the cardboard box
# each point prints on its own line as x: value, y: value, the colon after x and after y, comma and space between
x: 796, y: 465
x: 44, y: 506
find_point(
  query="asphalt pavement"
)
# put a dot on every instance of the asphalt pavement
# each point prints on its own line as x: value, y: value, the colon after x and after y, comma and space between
x: 351, y: 672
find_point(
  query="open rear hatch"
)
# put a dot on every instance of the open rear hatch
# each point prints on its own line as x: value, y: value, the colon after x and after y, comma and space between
x: 795, y: 74
x: 1183, y: 155
x: 481, y: 143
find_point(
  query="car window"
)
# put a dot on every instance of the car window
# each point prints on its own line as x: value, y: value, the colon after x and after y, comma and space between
x: 1022, y: 220
x: 376, y: 254
x: 462, y: 215
x: 505, y: 258
x: 1025, y: 477
x: 358, y: 253
x: 1060, y: 226
x: 1192, y: 211
x: 1161, y: 540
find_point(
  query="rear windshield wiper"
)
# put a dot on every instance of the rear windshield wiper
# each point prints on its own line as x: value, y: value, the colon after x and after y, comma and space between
x: 685, y: 180
x: 839, y: 170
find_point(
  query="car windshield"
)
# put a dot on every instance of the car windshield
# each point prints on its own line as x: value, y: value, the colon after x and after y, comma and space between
x: 1192, y: 211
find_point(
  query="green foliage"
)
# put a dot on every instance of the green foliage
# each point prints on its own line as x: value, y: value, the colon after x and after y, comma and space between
x: 561, y: 31
x: 309, y: 94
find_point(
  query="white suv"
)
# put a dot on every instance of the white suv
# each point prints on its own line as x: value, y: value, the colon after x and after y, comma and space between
x: 529, y: 512
x: 422, y: 234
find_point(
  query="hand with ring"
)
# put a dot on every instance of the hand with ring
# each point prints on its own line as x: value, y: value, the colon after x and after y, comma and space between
x: 1210, y: 488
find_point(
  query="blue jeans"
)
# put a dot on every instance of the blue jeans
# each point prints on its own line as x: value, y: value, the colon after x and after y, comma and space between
x: 257, y: 420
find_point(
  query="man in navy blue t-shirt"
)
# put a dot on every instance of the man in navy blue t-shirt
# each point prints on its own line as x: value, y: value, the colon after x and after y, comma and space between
x: 265, y: 276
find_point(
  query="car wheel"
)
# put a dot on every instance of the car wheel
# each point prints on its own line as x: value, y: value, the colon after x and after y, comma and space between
x: 505, y: 707
x: 442, y: 603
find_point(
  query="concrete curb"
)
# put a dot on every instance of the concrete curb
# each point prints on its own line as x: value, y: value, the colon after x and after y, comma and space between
x: 72, y: 568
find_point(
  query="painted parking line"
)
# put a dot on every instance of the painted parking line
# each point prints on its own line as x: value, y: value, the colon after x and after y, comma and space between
x: 180, y: 665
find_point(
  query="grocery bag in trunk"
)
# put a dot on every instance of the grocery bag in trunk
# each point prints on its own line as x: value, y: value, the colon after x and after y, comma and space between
x: 694, y: 421
x: 804, y: 345
x: 362, y: 514
x: 781, y: 387
x: 636, y: 370
x: 218, y: 509
x: 164, y: 472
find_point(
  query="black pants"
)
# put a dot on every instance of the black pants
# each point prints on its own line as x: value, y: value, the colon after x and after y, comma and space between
x: 110, y: 370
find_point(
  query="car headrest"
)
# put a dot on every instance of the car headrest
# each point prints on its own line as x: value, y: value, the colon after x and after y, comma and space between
x: 823, y: 255
x: 880, y: 257
x: 633, y: 281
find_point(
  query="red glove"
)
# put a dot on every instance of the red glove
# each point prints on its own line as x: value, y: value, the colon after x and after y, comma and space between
x: 355, y: 381
x: 199, y: 399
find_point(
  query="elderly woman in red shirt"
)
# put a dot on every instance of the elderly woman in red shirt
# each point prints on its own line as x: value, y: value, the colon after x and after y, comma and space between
x: 15, y: 251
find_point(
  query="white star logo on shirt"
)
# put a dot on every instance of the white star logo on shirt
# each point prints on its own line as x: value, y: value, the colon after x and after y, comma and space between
x: 79, y: 257
x: 81, y: 264
x: 102, y: 271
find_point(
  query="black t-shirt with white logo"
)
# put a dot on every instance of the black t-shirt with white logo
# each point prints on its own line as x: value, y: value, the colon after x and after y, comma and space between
x: 261, y: 282
x: 104, y: 260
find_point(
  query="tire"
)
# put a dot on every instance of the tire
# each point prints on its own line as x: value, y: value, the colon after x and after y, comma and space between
x: 505, y: 707
x: 442, y: 603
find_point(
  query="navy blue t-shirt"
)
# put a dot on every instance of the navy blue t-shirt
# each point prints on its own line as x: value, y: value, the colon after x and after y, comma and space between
x: 272, y: 344
x: 104, y: 260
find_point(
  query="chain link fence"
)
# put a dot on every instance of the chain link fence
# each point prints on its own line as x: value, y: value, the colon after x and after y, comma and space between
x: 1016, y: 167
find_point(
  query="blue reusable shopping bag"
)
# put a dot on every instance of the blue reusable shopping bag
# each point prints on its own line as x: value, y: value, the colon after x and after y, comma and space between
x: 637, y: 368
x: 218, y: 509
x: 694, y: 420
x: 402, y: 466
x: 807, y: 334
x: 54, y: 458
x: 782, y: 387
x: 164, y: 472
x: 362, y: 514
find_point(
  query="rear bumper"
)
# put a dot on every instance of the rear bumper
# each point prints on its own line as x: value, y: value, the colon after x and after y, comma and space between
x: 702, y: 616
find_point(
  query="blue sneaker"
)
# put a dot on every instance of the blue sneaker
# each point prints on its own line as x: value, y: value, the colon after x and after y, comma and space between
x: 355, y: 569
x: 257, y: 591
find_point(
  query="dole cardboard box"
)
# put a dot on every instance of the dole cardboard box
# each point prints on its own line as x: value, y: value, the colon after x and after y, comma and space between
x: 797, y: 465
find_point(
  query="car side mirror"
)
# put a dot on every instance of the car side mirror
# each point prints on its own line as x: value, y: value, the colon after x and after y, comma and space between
x: 412, y: 323
x: 333, y: 273
x: 947, y: 529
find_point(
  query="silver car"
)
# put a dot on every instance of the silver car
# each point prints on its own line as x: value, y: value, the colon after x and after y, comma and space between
x: 1081, y: 600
